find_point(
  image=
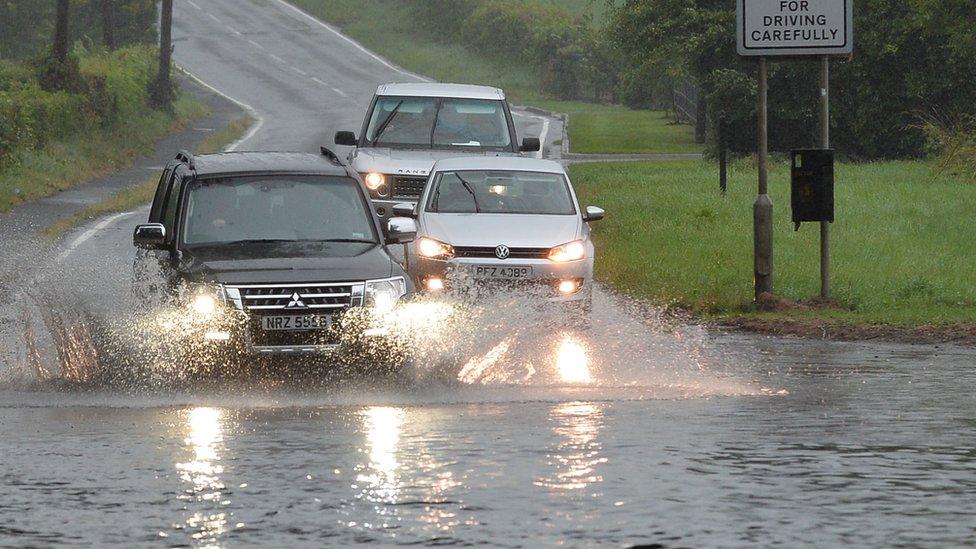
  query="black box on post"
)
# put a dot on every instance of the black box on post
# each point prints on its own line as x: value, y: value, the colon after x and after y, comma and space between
x: 813, y: 185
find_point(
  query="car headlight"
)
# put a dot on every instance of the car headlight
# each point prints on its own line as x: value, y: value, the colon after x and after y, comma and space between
x: 376, y: 182
x: 383, y: 295
x: 434, y: 249
x: 206, y: 300
x: 571, y: 251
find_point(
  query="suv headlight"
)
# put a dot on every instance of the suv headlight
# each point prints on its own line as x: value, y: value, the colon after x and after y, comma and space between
x: 205, y: 300
x: 383, y: 295
x: 434, y: 249
x: 571, y: 251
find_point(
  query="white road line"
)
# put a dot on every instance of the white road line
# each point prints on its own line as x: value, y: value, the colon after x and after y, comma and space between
x: 233, y: 30
x: 255, y: 44
x: 212, y: 16
x: 340, y: 92
x: 299, y: 71
x: 317, y: 81
x: 87, y: 235
x: 355, y: 44
x: 333, y: 88
x: 258, y: 119
x: 276, y: 58
x: 194, y: 4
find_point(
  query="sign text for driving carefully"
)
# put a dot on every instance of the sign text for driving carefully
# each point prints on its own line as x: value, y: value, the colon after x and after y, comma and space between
x: 795, y: 27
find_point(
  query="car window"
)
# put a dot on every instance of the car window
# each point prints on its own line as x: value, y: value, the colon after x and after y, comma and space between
x: 432, y: 122
x: 159, y: 199
x: 501, y: 192
x: 221, y: 211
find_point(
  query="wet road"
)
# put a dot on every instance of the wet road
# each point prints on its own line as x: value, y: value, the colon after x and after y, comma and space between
x: 509, y: 433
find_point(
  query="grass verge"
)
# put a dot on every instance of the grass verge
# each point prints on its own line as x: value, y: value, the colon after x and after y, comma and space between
x: 902, y: 245
x: 61, y: 165
x: 388, y: 28
x: 140, y: 194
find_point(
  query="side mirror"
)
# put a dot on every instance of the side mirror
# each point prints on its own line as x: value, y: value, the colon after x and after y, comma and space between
x: 150, y: 236
x: 530, y: 144
x: 593, y: 214
x: 401, y: 230
x: 346, y: 138
x: 405, y: 209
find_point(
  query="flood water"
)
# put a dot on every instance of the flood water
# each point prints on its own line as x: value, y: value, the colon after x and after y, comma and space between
x: 630, y: 433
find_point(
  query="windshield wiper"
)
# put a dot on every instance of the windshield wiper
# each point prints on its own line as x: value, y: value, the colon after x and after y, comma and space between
x: 467, y: 187
x: 354, y: 240
x: 386, y: 122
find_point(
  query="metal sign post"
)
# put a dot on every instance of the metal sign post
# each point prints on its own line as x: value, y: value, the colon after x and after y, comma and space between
x: 790, y: 28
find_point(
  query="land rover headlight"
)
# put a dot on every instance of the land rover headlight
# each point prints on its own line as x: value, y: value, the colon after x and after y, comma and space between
x: 383, y: 295
x: 434, y: 249
x: 376, y: 182
x: 571, y: 251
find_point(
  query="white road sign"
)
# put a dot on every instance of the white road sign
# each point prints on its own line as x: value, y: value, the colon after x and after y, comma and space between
x: 795, y: 27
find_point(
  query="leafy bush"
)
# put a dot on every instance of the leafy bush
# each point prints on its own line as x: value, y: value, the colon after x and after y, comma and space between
x: 111, y: 88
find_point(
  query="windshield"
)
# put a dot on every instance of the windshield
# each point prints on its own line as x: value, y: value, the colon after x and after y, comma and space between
x: 501, y: 192
x: 430, y: 122
x: 293, y: 209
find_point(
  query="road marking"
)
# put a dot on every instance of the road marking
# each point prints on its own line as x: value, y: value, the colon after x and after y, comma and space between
x: 233, y: 30
x: 340, y: 92
x: 258, y: 119
x: 355, y: 44
x: 333, y: 88
x: 256, y: 45
x: 276, y: 58
x: 87, y: 235
x: 299, y: 71
x: 212, y: 16
x: 194, y: 4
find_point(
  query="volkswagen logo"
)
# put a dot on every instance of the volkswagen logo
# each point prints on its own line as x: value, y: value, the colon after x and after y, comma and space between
x: 502, y: 252
x: 296, y: 302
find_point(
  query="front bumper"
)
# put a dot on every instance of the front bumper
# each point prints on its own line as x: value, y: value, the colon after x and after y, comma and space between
x: 461, y: 274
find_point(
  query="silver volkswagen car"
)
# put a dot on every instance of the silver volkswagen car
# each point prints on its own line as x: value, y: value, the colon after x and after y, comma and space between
x: 503, y: 222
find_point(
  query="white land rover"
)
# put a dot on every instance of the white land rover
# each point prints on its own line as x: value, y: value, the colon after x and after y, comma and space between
x: 409, y: 127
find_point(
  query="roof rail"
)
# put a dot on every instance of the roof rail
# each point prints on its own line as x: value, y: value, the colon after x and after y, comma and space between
x: 327, y: 152
x: 186, y: 157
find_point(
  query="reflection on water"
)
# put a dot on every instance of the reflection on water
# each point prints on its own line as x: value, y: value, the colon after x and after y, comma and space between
x: 576, y: 456
x: 572, y: 361
x: 380, y: 477
x: 204, y: 494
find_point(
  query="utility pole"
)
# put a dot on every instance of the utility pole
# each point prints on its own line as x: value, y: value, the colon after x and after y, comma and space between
x: 825, y: 144
x: 163, y: 92
x: 763, y: 209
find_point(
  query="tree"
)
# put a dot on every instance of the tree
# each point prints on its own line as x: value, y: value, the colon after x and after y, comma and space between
x: 61, y: 37
x: 108, y: 24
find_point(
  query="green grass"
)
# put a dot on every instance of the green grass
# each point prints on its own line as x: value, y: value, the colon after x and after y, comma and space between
x: 903, y: 244
x: 63, y: 164
x: 386, y: 27
x: 610, y: 129
x: 140, y: 194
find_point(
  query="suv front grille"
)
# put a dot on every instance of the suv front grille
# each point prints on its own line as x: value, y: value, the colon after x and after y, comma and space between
x: 408, y: 187
x: 489, y: 251
x: 296, y: 298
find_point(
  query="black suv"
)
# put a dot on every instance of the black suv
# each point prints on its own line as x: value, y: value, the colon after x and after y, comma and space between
x: 271, y: 252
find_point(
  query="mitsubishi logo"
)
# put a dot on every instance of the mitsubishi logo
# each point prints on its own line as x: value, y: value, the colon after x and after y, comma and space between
x: 502, y: 252
x: 296, y: 302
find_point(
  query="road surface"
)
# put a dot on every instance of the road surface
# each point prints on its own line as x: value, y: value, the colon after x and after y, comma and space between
x: 511, y: 432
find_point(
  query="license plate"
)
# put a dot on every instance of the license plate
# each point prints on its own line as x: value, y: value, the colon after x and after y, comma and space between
x: 294, y: 323
x: 502, y: 271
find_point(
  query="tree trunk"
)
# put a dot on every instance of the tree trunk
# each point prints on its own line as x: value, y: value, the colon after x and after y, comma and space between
x: 108, y: 24
x: 61, y: 31
x: 164, y: 86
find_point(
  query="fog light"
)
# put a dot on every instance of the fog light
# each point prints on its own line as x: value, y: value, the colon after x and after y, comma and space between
x: 568, y: 287
x: 434, y: 284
